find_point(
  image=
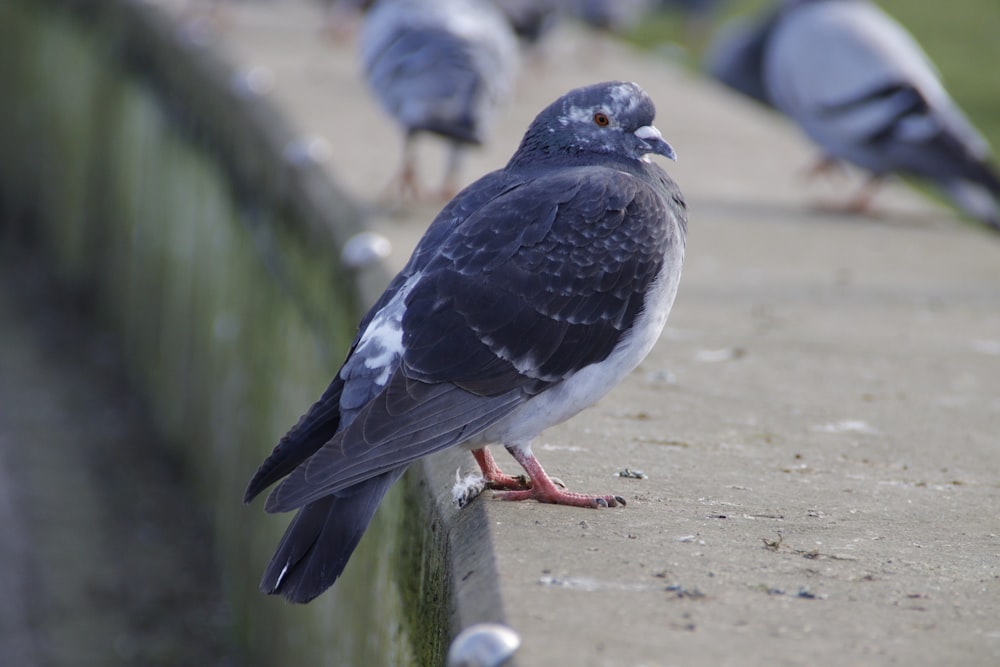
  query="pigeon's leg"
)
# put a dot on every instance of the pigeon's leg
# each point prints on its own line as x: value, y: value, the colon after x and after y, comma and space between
x: 496, y: 478
x: 823, y: 166
x: 449, y: 188
x: 404, y: 186
x: 341, y: 22
x: 544, y: 489
x: 861, y: 203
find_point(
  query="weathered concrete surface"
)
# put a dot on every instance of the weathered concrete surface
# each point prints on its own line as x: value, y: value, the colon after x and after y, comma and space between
x: 819, y: 425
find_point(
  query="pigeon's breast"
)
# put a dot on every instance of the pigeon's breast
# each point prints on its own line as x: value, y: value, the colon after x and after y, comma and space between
x: 590, y: 384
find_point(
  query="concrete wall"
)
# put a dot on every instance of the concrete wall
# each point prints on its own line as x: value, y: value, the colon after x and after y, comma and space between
x: 162, y: 195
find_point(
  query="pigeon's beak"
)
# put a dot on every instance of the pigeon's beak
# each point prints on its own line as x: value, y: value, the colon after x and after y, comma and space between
x: 652, y: 138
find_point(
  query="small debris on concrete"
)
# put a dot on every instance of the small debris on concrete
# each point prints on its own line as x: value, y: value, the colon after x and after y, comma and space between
x: 692, y: 594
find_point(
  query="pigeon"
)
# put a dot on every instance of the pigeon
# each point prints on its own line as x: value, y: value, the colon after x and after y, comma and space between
x: 531, y: 20
x: 735, y: 55
x: 611, y: 16
x: 438, y: 66
x: 861, y: 87
x: 531, y: 294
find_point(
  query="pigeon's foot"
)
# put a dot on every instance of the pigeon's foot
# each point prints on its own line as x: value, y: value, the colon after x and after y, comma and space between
x: 494, y: 477
x: 824, y: 166
x: 404, y: 187
x: 557, y: 496
x: 860, y: 204
x: 545, y: 490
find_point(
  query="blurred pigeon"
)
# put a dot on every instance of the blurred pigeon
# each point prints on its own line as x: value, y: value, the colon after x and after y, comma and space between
x: 861, y: 87
x: 533, y: 292
x: 613, y: 16
x: 438, y: 66
x: 735, y: 55
x: 531, y: 19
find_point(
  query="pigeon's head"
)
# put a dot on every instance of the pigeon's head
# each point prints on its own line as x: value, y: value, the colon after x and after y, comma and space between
x: 613, y: 120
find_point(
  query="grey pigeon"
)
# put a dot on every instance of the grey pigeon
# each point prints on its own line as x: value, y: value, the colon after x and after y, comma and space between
x: 531, y: 19
x: 735, y: 55
x: 438, y: 66
x: 534, y: 292
x: 613, y: 16
x: 861, y: 87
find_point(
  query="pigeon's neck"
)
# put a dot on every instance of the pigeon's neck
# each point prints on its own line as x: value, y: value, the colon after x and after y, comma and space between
x: 534, y: 156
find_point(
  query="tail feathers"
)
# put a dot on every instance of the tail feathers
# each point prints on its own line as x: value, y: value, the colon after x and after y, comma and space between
x: 958, y: 153
x: 321, y: 538
x: 976, y: 201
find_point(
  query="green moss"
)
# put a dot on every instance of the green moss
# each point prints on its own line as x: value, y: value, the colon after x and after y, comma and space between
x: 169, y: 206
x: 426, y: 587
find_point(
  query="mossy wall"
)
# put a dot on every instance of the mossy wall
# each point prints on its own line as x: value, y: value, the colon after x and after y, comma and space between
x: 162, y: 195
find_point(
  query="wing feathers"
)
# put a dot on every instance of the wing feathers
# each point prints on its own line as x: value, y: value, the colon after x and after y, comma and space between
x: 375, y: 443
x: 314, y: 429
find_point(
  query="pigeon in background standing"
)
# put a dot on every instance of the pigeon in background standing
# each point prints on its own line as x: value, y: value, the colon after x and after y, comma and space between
x: 438, y: 66
x: 532, y: 294
x: 861, y: 87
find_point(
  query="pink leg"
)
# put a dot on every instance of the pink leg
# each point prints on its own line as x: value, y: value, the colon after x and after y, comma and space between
x: 544, y: 490
x: 863, y: 199
x: 823, y: 166
x: 404, y: 186
x: 496, y: 478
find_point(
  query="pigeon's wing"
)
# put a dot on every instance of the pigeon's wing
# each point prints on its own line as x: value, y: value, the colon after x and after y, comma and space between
x: 312, y: 431
x: 323, y: 419
x: 541, y: 281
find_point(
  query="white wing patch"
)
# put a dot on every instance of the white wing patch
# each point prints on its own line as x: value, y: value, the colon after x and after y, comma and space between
x: 382, y: 343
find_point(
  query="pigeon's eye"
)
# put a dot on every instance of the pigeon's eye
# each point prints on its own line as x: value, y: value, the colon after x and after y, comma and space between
x: 601, y: 119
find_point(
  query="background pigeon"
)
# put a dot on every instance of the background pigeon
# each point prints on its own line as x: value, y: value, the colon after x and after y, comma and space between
x: 438, y: 66
x: 861, y: 87
x: 735, y: 56
x: 613, y: 16
x: 531, y: 19
x: 533, y: 292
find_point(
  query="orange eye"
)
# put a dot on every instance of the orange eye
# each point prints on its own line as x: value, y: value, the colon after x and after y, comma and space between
x: 601, y: 119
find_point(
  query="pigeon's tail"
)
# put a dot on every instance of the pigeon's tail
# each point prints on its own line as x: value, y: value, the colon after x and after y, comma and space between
x: 321, y: 538
x: 975, y: 167
x: 963, y: 169
x: 977, y: 201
